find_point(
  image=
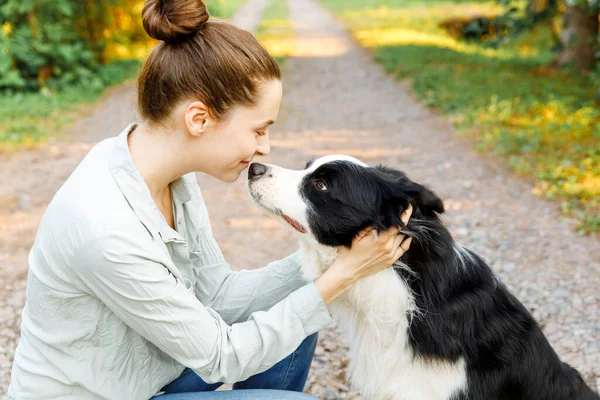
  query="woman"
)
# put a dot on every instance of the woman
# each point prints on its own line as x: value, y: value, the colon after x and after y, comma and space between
x: 128, y: 295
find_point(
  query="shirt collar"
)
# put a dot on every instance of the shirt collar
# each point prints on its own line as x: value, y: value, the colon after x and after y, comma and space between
x: 138, y: 195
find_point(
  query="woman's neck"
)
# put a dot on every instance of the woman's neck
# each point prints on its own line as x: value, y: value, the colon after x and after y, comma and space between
x: 157, y: 156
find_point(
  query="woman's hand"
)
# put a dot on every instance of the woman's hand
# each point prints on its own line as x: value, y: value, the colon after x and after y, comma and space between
x: 370, y: 253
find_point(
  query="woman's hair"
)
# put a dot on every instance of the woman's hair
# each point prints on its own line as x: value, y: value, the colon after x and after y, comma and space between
x: 199, y: 59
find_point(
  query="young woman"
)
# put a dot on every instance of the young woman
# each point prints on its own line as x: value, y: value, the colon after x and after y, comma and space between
x: 128, y: 294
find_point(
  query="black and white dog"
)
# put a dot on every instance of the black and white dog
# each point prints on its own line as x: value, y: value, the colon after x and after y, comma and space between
x: 438, y: 325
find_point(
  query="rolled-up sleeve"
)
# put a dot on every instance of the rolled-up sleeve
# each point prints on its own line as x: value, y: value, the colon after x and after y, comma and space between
x: 118, y: 270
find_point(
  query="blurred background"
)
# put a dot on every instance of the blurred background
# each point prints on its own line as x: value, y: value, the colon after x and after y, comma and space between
x: 495, y: 103
x: 520, y: 76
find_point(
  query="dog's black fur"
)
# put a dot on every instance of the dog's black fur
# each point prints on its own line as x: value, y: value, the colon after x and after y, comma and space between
x: 466, y: 311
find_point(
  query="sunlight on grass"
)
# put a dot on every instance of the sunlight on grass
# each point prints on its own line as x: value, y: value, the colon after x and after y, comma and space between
x: 27, y: 119
x: 222, y: 8
x: 395, y: 37
x: 276, y: 34
x: 275, y: 31
x: 544, y: 121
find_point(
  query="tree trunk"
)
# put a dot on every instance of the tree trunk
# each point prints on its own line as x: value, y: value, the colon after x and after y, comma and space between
x: 580, y: 29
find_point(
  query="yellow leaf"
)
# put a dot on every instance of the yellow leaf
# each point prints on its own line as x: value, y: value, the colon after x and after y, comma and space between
x: 7, y: 28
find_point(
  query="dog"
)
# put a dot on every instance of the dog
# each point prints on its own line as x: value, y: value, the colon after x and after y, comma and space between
x: 438, y: 324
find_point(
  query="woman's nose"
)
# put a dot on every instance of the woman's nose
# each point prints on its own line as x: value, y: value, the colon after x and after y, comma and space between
x: 264, y: 147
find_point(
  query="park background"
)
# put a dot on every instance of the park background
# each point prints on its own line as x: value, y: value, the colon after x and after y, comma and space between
x: 517, y: 83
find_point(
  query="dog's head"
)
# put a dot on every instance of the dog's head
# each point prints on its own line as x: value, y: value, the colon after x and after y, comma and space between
x: 335, y: 197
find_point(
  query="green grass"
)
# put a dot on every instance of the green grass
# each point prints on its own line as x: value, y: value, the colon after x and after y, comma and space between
x: 223, y: 8
x: 545, y: 122
x: 30, y: 118
x: 275, y: 31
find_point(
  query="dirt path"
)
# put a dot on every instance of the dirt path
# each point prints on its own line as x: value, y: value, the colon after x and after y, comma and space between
x: 338, y: 100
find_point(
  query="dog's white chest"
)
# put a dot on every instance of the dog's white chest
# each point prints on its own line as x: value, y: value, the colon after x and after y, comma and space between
x: 374, y: 317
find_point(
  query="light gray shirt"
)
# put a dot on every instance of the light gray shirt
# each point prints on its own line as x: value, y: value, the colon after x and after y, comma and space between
x: 118, y: 302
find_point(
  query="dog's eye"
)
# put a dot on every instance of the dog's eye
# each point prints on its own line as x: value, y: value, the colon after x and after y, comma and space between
x: 320, y: 184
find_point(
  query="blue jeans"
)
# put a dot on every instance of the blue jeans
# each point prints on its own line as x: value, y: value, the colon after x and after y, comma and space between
x: 282, y: 381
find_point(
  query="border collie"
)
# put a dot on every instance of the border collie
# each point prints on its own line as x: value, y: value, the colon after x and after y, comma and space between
x: 437, y: 325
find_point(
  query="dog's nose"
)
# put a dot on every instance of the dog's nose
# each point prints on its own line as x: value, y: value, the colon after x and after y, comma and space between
x: 256, y: 170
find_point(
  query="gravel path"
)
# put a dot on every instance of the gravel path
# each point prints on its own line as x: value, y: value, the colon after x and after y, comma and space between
x: 338, y: 100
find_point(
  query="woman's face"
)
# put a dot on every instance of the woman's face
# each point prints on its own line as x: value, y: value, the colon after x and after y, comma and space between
x: 230, y: 145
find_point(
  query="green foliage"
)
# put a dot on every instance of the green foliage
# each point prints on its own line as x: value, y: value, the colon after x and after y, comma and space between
x: 223, y: 9
x: 544, y: 121
x: 29, y: 118
x: 521, y: 16
x: 55, y: 44
x: 40, y: 48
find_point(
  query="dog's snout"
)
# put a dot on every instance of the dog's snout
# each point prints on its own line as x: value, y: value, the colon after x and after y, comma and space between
x: 256, y: 170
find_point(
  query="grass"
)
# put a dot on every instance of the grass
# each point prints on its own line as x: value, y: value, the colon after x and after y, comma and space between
x: 223, y: 8
x: 275, y: 31
x: 27, y: 119
x: 545, y: 122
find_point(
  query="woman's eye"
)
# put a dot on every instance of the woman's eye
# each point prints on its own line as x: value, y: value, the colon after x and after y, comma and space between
x: 260, y: 133
x: 320, y: 185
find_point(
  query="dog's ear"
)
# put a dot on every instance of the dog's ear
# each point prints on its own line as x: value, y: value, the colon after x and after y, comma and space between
x: 426, y: 200
x: 401, y: 191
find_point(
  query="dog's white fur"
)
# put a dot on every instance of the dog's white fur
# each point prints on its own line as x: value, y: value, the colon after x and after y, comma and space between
x: 374, y: 314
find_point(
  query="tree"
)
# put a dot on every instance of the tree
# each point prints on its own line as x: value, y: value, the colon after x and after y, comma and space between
x: 579, y: 35
x: 578, y: 39
x: 58, y: 43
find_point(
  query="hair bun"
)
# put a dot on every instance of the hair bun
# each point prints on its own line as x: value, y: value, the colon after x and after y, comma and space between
x: 172, y: 20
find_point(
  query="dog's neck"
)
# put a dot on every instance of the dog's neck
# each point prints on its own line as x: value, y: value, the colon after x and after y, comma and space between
x: 316, y: 259
x: 432, y: 257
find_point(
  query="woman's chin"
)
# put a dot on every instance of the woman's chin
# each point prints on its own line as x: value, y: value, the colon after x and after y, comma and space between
x: 230, y: 177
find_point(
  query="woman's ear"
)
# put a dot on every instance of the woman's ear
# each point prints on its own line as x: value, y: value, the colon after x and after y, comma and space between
x: 197, y: 118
